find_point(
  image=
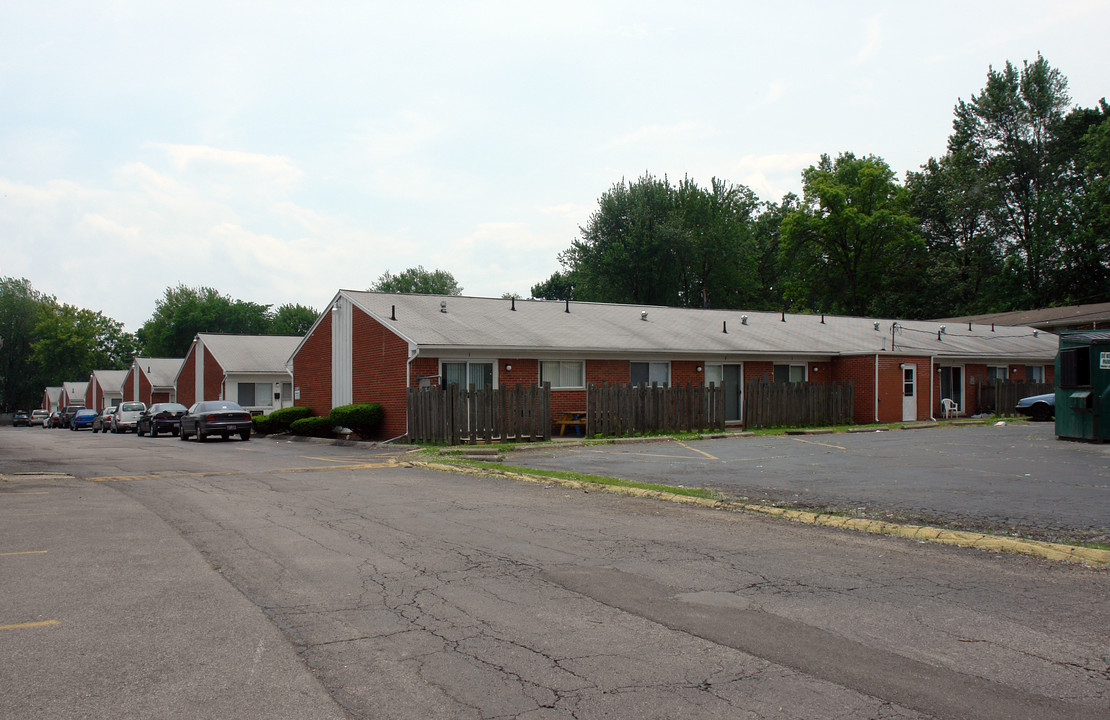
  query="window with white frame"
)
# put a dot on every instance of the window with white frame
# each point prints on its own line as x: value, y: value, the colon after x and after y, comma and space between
x: 563, y: 374
x: 255, y: 394
x: 465, y: 374
x: 647, y: 373
x: 997, y: 372
x: 1034, y: 373
x: 790, y: 373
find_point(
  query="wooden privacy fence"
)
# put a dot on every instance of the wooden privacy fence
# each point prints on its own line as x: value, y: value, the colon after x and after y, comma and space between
x: 1000, y: 397
x: 454, y: 416
x: 770, y: 404
x: 615, y: 409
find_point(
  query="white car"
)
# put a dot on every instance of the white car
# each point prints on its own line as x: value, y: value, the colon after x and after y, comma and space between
x: 126, y: 416
x: 38, y: 417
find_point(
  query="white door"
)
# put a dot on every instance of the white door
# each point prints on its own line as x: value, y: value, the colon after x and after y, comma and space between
x: 909, y: 393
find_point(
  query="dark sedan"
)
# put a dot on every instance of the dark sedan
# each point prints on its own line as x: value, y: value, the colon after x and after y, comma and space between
x: 21, y: 417
x: 216, y: 417
x: 83, y: 419
x: 159, y: 418
x: 1038, y: 407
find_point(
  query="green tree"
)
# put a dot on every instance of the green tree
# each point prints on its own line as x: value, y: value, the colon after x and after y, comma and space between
x: 418, y: 281
x: 1009, y: 132
x: 560, y: 286
x: 293, y: 319
x: 1084, y: 274
x: 71, y: 342
x: 21, y: 378
x: 851, y: 247
x: 182, y: 312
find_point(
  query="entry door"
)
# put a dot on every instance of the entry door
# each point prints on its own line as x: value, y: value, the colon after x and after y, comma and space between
x: 731, y: 379
x: 909, y: 393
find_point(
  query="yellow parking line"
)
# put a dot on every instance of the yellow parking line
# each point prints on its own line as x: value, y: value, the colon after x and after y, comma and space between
x: 813, y: 442
x: 701, y: 452
x: 20, y: 626
x: 310, y: 468
x: 25, y: 552
x: 31, y: 492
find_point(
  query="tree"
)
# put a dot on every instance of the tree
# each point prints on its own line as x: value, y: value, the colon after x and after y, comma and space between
x: 654, y: 243
x: 1009, y: 133
x: 182, y: 312
x: 560, y: 286
x: 72, y: 342
x: 418, y: 281
x: 851, y: 246
x: 21, y: 379
x: 292, y: 319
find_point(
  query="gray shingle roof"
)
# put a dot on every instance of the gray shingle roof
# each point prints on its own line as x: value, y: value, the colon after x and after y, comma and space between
x: 160, y: 372
x: 110, y: 380
x: 251, y: 353
x: 539, y: 326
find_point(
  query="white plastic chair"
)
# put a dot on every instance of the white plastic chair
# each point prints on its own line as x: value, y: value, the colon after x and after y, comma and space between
x: 951, y: 407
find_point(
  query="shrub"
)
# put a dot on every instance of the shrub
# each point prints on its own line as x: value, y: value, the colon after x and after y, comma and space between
x: 313, y: 427
x: 364, y: 419
x: 280, y: 420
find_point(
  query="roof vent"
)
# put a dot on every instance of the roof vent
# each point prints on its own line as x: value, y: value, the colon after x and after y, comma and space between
x: 643, y: 315
x: 876, y: 325
x: 944, y: 329
x: 513, y: 308
x: 1035, y: 333
x: 743, y: 319
x: 443, y: 306
x: 724, y: 327
x: 392, y: 312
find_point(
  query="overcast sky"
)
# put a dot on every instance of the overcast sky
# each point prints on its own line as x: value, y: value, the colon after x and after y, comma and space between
x: 279, y: 151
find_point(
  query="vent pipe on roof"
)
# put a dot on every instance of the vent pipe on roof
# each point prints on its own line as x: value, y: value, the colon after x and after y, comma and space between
x: 992, y: 327
x: 392, y: 312
x: 784, y: 316
x: 513, y: 308
x: 969, y: 326
x: 568, y: 305
x: 724, y: 327
x: 822, y: 318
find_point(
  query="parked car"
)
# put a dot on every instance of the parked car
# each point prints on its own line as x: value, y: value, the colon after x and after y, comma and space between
x: 216, y: 417
x: 67, y: 415
x: 160, y: 417
x: 1038, y: 407
x: 21, y: 417
x: 103, y: 421
x: 38, y: 417
x: 54, y: 420
x: 126, y: 415
x: 83, y: 419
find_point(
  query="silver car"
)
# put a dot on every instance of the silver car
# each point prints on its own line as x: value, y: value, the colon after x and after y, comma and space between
x: 126, y: 416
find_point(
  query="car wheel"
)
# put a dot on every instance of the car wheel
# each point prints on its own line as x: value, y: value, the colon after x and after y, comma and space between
x: 139, y: 430
x: 201, y: 437
x: 1041, y: 412
x: 153, y: 430
x: 245, y: 435
x: 182, y: 436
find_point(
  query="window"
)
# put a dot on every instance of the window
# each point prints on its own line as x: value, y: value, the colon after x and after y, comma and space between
x: 790, y: 373
x: 465, y: 374
x: 1034, y: 373
x: 256, y: 394
x: 286, y: 391
x: 1000, y: 373
x: 246, y: 394
x: 563, y: 373
x: 646, y: 373
x: 952, y: 384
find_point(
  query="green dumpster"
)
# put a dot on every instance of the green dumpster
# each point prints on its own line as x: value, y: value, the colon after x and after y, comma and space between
x: 1083, y: 386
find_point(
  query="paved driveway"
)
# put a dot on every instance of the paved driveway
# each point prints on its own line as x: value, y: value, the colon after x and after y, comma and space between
x: 1017, y: 477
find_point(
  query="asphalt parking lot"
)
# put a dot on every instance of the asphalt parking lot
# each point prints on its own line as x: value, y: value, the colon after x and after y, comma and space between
x: 1016, y: 478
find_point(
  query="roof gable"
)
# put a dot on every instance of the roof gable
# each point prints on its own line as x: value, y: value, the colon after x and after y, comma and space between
x: 250, y: 353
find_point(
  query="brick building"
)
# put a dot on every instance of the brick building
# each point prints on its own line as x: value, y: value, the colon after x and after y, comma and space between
x: 247, y: 369
x: 73, y: 394
x: 52, y: 399
x: 151, y: 380
x: 105, y: 389
x: 369, y: 347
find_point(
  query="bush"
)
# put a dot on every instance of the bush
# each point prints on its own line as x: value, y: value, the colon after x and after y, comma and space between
x: 313, y: 427
x: 364, y: 419
x: 280, y: 420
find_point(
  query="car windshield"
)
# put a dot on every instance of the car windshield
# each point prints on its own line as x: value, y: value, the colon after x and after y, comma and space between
x: 132, y: 407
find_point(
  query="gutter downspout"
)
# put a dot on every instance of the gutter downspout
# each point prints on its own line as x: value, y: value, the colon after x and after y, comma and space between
x: 932, y: 374
x: 876, y: 387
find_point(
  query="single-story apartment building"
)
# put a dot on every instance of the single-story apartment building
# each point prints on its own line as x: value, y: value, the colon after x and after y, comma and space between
x: 151, y: 380
x: 248, y: 369
x: 73, y: 394
x: 105, y: 389
x: 370, y: 347
x: 1070, y: 318
x: 52, y: 399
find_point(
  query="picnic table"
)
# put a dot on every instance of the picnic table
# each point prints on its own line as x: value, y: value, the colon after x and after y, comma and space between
x: 575, y: 418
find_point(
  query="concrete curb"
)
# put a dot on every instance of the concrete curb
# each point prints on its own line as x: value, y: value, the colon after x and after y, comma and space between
x: 924, y: 533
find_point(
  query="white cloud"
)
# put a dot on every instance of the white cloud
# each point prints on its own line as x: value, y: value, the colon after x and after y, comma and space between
x: 871, y: 45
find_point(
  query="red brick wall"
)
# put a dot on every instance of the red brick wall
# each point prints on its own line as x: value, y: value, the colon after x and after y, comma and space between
x: 312, y: 369
x: 890, y: 387
x: 600, y: 371
x: 159, y: 397
x: 685, y: 372
x: 758, y: 370
x: 425, y: 367
x: 860, y: 370
x: 129, y: 384
x: 380, y: 363
x: 213, y: 378
x: 524, y: 371
x: 820, y: 373
x: 90, y: 395
x: 144, y: 386
x: 187, y: 380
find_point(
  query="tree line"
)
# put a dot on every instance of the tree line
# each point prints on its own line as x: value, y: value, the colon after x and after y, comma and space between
x: 1015, y: 215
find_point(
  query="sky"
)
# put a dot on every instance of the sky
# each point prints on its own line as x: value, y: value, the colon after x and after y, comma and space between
x: 279, y: 151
